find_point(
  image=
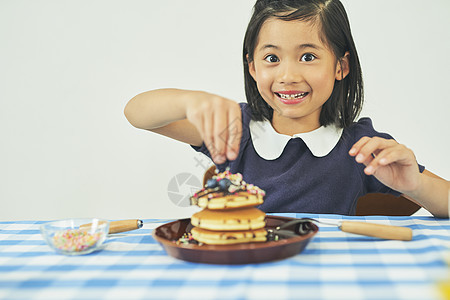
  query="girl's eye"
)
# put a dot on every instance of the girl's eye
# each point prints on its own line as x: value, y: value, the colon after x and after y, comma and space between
x: 308, y: 57
x: 271, y: 58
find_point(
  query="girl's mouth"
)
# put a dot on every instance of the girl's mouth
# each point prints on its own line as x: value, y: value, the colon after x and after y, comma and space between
x: 290, y: 97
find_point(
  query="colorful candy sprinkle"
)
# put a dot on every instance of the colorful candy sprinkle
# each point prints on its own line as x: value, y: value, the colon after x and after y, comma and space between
x: 75, y: 240
x: 226, y: 182
x: 187, y: 238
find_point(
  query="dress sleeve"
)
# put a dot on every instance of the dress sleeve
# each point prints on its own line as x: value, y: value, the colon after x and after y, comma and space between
x: 364, y: 127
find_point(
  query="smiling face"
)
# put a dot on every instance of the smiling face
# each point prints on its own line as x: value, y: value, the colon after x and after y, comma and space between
x: 295, y: 73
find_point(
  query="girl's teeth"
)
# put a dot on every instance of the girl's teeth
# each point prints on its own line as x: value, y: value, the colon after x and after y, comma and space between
x: 292, y: 96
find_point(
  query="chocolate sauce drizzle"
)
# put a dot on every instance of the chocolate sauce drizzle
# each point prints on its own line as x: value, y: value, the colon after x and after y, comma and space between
x: 217, y: 188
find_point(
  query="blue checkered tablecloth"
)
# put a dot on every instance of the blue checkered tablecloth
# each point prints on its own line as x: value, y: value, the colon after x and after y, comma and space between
x: 334, y: 265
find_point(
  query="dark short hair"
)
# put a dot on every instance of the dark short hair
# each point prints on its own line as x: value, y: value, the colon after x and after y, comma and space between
x: 345, y: 102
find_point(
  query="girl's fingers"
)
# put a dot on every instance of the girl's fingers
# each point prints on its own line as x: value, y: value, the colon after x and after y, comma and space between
x: 207, y: 127
x: 390, y: 162
x: 395, y: 154
x: 357, y: 146
x: 372, y: 152
x: 218, y: 120
x: 220, y: 134
x: 370, y: 147
x: 234, y: 133
x: 379, y: 160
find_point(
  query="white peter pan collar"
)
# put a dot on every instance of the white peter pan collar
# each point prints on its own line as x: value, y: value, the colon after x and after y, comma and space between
x: 269, y: 144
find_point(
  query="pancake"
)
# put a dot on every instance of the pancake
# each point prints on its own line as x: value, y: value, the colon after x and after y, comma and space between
x: 228, y: 237
x: 229, y: 220
x: 227, y: 191
x: 220, y: 201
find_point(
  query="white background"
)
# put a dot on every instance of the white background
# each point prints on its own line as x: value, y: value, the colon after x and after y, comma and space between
x: 67, y: 69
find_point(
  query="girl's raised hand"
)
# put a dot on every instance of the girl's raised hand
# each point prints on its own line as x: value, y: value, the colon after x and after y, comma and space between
x: 219, y: 122
x: 390, y: 162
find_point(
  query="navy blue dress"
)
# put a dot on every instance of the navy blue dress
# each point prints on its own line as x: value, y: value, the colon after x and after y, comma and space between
x: 298, y: 181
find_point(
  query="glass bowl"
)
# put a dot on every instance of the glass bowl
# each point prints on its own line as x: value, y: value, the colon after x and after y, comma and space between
x: 75, y: 236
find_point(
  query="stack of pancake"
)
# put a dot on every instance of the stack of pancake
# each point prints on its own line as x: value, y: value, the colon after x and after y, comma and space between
x: 229, y: 215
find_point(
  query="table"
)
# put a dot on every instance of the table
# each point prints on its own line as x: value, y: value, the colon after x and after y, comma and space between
x: 334, y: 265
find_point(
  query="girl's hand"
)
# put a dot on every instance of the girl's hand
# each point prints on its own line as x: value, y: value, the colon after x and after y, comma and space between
x: 218, y: 120
x: 390, y: 162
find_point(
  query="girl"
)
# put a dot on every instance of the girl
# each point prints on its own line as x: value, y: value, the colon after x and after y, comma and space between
x: 297, y: 138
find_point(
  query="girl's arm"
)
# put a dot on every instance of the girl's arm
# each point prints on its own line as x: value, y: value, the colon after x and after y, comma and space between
x: 192, y: 117
x: 395, y: 166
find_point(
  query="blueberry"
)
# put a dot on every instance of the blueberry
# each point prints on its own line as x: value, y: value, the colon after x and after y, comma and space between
x: 211, y: 183
x: 224, y: 184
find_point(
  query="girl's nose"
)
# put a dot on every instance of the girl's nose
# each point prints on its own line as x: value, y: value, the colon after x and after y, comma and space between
x: 289, y: 73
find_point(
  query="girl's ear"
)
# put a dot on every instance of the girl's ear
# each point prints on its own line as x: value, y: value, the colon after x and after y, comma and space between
x: 343, y: 66
x: 251, y: 68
